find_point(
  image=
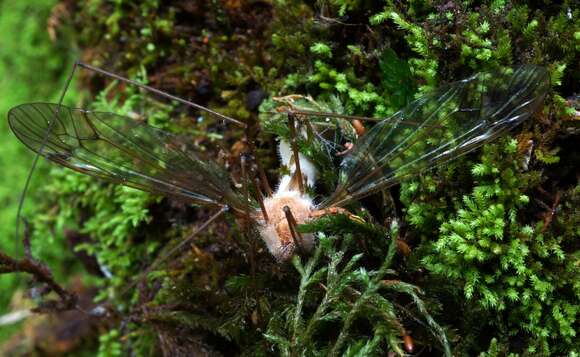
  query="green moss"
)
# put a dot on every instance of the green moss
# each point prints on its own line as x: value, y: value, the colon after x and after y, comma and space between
x: 500, y: 261
x: 25, y: 46
x: 352, y: 294
x: 482, y: 243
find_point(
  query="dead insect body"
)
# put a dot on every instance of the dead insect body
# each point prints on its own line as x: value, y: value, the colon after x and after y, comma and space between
x: 434, y: 129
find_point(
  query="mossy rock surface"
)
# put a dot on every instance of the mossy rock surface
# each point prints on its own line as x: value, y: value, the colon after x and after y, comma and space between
x: 478, y: 257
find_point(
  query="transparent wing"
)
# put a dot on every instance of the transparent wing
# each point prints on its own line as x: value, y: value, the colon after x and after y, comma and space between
x: 450, y: 122
x: 121, y: 150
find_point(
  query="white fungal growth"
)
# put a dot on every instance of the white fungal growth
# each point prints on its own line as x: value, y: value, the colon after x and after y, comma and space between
x: 307, y: 168
x: 276, y: 231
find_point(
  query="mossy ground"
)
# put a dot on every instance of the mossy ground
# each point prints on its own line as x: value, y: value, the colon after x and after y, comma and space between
x: 494, y: 261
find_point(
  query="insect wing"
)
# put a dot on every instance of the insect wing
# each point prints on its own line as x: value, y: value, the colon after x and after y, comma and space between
x: 449, y: 122
x: 121, y: 150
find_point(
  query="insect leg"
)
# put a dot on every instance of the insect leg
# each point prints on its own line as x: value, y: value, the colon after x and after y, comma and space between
x: 356, y: 117
x: 245, y: 185
x: 159, y: 92
x: 42, y: 146
x: 141, y: 278
x: 263, y: 178
x: 250, y: 140
x: 260, y: 197
x: 294, y: 145
x: 296, y: 236
x: 243, y: 165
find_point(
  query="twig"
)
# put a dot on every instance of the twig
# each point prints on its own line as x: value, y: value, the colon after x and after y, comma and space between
x: 41, y: 274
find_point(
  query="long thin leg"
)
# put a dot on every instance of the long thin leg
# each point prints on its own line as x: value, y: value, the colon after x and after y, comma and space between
x: 99, y: 310
x: 263, y: 178
x: 294, y: 145
x: 42, y: 146
x: 250, y: 133
x: 159, y: 92
x: 296, y: 236
x: 243, y: 166
x: 247, y: 214
x: 166, y: 256
x: 260, y: 198
x: 350, y: 117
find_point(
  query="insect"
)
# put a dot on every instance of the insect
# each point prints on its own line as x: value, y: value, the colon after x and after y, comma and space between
x: 432, y: 130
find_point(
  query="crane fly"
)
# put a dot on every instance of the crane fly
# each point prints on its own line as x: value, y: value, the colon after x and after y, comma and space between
x: 432, y: 130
